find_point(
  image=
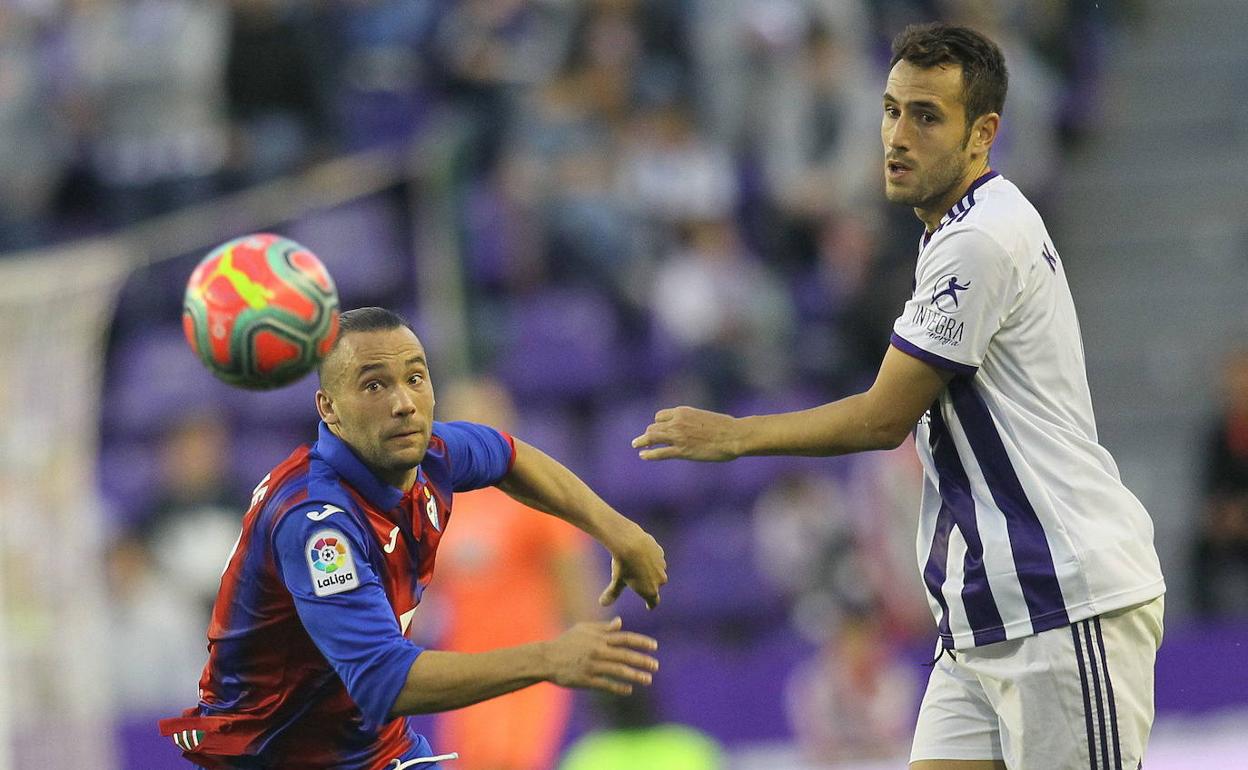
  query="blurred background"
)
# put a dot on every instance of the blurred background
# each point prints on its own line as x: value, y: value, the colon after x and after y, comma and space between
x: 591, y: 209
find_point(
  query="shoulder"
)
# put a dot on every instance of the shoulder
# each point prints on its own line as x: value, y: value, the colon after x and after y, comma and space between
x: 314, y: 498
x: 999, y: 214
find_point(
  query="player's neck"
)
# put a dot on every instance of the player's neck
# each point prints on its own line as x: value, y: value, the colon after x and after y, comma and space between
x: 932, y: 215
x: 402, y: 480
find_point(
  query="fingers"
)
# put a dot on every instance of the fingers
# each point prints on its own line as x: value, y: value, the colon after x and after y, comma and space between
x: 612, y: 592
x: 654, y: 435
x: 658, y: 432
x: 662, y: 453
x: 619, y: 666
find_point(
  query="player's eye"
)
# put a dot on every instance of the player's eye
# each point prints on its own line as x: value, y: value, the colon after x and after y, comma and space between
x: 927, y: 117
x: 372, y: 386
x: 891, y: 111
x: 416, y: 379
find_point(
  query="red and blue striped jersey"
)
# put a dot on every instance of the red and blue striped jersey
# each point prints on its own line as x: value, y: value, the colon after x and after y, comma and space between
x: 307, y: 643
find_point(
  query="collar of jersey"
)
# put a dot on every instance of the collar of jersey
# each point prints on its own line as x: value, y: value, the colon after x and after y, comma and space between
x: 960, y: 208
x: 351, y: 468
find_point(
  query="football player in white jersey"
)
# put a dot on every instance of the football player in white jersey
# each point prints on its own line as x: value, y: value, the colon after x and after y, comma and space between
x: 1039, y: 563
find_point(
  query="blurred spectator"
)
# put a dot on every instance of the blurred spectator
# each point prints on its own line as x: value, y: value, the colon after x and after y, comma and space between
x: 155, y: 637
x: 483, y: 50
x: 634, y: 738
x: 1027, y: 149
x: 723, y: 308
x: 1220, y: 552
x: 854, y: 699
x: 195, y: 518
x: 34, y: 140
x: 277, y: 87
x: 815, y: 123
x: 670, y: 172
x: 837, y: 541
x: 380, y: 86
x: 149, y: 102
x: 806, y: 545
x: 508, y: 575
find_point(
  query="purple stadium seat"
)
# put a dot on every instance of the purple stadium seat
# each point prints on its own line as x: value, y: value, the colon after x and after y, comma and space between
x: 292, y: 406
x: 629, y: 482
x: 562, y: 346
x: 552, y: 431
x: 254, y: 453
x: 127, y: 475
x: 153, y: 379
x: 715, y: 578
x: 361, y: 245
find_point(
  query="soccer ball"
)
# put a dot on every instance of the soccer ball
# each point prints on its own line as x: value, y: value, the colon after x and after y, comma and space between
x: 260, y: 311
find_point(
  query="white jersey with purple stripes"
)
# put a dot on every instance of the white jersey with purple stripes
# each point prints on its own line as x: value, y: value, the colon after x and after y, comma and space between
x: 1025, y: 524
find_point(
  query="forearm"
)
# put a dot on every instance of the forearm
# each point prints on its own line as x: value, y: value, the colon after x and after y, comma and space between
x: 837, y: 428
x: 540, y: 482
x: 441, y: 681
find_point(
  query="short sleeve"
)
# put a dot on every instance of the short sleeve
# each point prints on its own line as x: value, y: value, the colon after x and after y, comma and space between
x: 964, y: 288
x: 479, y: 455
x: 321, y: 555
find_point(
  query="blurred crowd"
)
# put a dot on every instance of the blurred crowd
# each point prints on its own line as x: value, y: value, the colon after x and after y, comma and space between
x: 657, y: 201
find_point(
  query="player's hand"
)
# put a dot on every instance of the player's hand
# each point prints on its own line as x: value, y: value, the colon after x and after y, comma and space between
x: 638, y: 564
x: 689, y: 434
x: 601, y: 656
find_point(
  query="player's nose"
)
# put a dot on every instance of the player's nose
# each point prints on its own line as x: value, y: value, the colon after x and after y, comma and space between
x: 402, y: 403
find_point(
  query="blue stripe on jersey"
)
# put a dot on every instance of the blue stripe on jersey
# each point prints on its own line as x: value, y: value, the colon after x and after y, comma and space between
x: 244, y: 601
x: 1033, y: 561
x: 958, y: 505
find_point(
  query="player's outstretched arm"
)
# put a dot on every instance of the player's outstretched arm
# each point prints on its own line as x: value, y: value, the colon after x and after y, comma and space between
x: 880, y: 418
x: 592, y: 655
x: 541, y: 482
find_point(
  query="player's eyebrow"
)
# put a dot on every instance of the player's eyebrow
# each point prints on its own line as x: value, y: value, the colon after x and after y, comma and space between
x: 917, y: 104
x: 415, y: 360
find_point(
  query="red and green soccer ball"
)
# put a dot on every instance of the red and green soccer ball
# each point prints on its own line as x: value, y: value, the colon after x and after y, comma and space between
x: 260, y: 311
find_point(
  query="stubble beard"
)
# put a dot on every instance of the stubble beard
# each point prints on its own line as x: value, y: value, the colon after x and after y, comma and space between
x: 929, y: 193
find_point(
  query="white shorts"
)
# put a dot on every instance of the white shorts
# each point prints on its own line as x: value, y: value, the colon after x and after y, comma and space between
x: 1072, y: 698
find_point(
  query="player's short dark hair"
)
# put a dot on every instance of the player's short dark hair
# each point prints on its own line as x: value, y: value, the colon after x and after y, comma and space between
x: 364, y: 319
x: 984, y: 77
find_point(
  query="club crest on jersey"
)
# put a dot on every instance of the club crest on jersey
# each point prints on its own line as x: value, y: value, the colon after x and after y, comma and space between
x: 330, y: 564
x: 946, y: 291
x: 431, y: 510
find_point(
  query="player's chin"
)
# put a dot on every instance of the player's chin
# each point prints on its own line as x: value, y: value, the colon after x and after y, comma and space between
x: 896, y: 193
x: 409, y: 456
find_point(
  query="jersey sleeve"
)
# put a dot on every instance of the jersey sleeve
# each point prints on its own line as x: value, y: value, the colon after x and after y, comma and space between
x: 479, y: 455
x: 964, y: 289
x: 342, y: 605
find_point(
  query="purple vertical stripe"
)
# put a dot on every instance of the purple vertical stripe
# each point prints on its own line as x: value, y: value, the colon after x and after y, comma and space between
x: 1087, y: 697
x: 1037, y: 575
x: 1109, y: 691
x: 934, y: 572
x: 958, y: 504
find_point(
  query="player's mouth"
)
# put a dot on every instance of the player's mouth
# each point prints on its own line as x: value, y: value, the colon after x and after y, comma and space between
x: 896, y: 170
x: 406, y: 434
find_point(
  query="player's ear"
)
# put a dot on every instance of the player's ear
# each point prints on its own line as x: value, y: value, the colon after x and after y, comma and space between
x: 984, y: 132
x: 325, y: 407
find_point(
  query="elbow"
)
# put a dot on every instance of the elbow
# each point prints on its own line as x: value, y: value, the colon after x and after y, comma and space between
x: 892, y: 438
x: 886, y: 434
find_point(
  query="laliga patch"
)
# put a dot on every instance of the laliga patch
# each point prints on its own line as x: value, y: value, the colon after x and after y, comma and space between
x: 330, y: 563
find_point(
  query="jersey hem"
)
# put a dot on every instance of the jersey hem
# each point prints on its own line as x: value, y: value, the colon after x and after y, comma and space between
x: 1052, y: 620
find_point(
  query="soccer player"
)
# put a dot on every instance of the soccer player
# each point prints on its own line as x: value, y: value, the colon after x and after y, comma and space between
x: 309, y: 665
x: 1039, y: 563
